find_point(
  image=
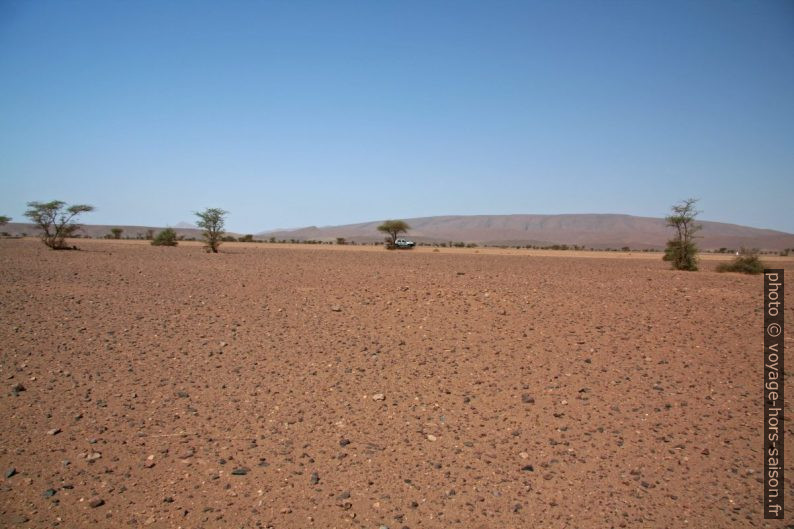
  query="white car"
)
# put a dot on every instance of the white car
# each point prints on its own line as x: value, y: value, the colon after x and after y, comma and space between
x: 404, y: 243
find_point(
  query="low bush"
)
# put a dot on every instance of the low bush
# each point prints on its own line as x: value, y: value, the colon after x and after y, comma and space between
x: 747, y: 262
x: 167, y: 237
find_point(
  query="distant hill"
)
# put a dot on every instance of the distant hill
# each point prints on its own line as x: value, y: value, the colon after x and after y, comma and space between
x: 589, y: 230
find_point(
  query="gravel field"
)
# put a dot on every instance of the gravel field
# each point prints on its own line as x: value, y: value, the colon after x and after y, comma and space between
x: 294, y: 387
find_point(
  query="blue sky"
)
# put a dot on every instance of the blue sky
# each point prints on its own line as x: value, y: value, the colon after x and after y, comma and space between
x: 316, y: 113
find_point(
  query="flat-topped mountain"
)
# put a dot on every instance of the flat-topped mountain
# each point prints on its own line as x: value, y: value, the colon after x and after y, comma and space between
x: 588, y: 230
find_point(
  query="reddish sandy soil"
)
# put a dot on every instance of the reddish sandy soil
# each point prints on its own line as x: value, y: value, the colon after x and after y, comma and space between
x: 517, y: 391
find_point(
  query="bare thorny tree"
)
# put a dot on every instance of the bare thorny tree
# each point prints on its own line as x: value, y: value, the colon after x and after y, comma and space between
x: 55, y: 222
x: 681, y: 250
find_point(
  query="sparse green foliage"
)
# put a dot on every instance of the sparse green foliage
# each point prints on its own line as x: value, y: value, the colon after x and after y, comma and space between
x: 116, y: 232
x: 246, y: 238
x: 167, y: 237
x: 341, y: 241
x: 681, y: 250
x: 747, y: 262
x: 393, y: 228
x: 212, y: 221
x: 56, y: 221
x: 4, y: 220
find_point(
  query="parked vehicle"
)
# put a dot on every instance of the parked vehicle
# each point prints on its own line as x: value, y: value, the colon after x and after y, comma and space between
x: 404, y: 244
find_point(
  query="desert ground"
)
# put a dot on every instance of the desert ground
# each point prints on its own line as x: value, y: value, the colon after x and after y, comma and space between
x: 352, y: 387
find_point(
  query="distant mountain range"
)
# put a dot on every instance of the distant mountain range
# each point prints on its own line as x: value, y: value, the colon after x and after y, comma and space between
x: 598, y: 231
x: 589, y: 230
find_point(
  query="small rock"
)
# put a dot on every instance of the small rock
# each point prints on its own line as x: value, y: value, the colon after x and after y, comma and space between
x: 705, y: 451
x: 336, y: 308
x: 524, y: 455
x: 49, y: 493
x: 431, y: 437
x: 93, y: 456
x: 18, y: 519
x: 11, y: 472
x: 528, y: 468
x: 378, y: 396
x: 187, y: 454
x: 96, y: 502
x: 17, y: 388
x: 344, y: 442
x: 315, y: 479
x: 54, y: 431
x: 527, y: 399
x: 240, y: 471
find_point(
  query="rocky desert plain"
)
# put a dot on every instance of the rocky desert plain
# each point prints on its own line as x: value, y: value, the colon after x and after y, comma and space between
x: 278, y: 386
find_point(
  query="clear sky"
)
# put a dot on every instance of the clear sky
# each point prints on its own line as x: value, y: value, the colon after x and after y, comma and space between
x: 296, y: 113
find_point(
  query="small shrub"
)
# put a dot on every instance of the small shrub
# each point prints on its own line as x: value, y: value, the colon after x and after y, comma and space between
x: 167, y: 237
x: 747, y: 262
x: 682, y: 255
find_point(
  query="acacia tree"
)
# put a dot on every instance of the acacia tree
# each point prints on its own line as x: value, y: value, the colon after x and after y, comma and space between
x: 56, y: 221
x: 4, y: 220
x: 681, y: 250
x: 116, y: 232
x: 393, y: 228
x: 212, y: 220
